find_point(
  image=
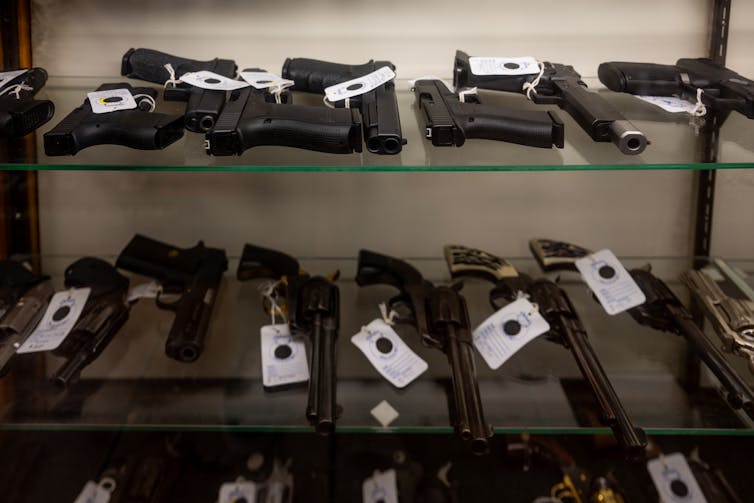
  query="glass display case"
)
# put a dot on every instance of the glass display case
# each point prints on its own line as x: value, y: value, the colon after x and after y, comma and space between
x: 141, y: 426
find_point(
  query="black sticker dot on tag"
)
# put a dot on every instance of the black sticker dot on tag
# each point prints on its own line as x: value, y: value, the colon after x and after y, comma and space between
x: 384, y: 345
x: 510, y: 65
x: 283, y: 351
x: 263, y: 81
x: 512, y: 327
x: 61, y: 313
x: 355, y: 86
x: 211, y: 80
x: 679, y: 488
x: 606, y: 272
x: 112, y: 99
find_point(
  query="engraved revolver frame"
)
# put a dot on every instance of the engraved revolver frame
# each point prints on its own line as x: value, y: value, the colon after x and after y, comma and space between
x: 731, y: 318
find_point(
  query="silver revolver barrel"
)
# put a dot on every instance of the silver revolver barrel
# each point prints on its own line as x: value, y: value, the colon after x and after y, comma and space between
x: 732, y: 319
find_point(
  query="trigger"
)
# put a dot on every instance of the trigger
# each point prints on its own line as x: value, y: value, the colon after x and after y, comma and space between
x: 402, y: 308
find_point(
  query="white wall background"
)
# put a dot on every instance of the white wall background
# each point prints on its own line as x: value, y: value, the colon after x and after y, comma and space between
x: 635, y: 213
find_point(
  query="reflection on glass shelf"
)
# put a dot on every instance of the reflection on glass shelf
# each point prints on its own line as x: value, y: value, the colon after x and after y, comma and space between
x: 134, y: 385
x: 674, y: 143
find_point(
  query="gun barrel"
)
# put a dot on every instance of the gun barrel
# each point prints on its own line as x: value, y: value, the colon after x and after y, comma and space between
x: 470, y: 422
x: 631, y: 437
x: 321, y: 404
x: 740, y: 395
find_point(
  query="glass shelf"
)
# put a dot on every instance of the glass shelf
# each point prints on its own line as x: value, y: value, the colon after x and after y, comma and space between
x: 133, y: 385
x: 674, y: 144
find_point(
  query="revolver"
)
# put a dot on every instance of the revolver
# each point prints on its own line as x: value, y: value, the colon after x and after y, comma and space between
x: 450, y: 121
x: 138, y: 128
x: 732, y: 319
x: 203, y: 105
x: 566, y: 329
x: 103, y: 315
x: 440, y: 316
x: 23, y: 299
x: 20, y: 113
x: 561, y: 85
x: 379, y: 107
x: 723, y: 90
x: 664, y: 311
x: 193, y: 273
x: 312, y: 304
x: 252, y: 117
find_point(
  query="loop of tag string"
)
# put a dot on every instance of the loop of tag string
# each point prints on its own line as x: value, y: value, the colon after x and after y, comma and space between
x: 277, y: 91
x: 148, y: 99
x: 330, y: 104
x: 16, y: 90
x: 699, y: 110
x: 462, y: 94
x: 530, y: 87
x: 267, y: 290
x: 172, y: 80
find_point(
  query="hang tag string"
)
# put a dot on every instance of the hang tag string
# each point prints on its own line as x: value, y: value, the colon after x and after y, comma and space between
x: 16, y: 90
x: 330, y: 104
x: 268, y: 289
x: 699, y: 110
x: 387, y: 317
x: 172, y: 80
x: 462, y: 94
x: 277, y: 91
x: 148, y: 99
x: 530, y: 87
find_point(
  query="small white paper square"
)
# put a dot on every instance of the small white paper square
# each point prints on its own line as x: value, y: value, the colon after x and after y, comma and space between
x: 384, y: 413
x: 112, y: 100
x: 611, y: 283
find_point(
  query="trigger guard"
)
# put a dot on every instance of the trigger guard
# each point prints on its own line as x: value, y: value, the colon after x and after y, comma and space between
x: 402, y: 307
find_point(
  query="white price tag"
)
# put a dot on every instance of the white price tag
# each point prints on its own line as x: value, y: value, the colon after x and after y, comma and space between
x: 670, y: 103
x: 234, y: 492
x: 112, y: 100
x: 6, y: 77
x: 388, y: 354
x: 283, y: 357
x: 610, y: 281
x: 360, y: 85
x: 211, y: 80
x: 674, y: 480
x: 525, y: 65
x: 512, y: 327
x: 62, y: 312
x: 144, y: 291
x: 93, y: 493
x: 381, y: 487
x: 265, y: 80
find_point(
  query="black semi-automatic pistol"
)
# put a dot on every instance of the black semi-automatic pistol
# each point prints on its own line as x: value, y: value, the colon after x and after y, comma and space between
x: 193, y: 273
x: 722, y: 89
x: 561, y: 85
x: 203, y: 105
x: 20, y: 113
x: 379, y: 107
x: 440, y: 316
x: 312, y: 304
x: 663, y: 311
x: 138, y: 128
x: 23, y: 299
x: 253, y: 117
x: 566, y: 329
x: 448, y: 120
